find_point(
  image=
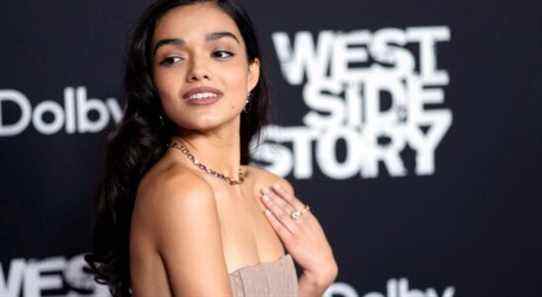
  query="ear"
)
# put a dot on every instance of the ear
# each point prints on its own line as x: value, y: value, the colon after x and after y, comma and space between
x: 253, y: 74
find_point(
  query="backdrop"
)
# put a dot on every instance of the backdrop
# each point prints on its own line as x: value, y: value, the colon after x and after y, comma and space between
x: 411, y: 128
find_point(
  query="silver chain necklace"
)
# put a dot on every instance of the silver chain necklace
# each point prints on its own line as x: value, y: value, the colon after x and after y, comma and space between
x: 204, y: 168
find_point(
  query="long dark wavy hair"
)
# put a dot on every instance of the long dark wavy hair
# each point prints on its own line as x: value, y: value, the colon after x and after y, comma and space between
x: 141, y: 138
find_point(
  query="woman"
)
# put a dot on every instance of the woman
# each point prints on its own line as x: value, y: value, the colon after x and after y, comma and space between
x: 180, y: 213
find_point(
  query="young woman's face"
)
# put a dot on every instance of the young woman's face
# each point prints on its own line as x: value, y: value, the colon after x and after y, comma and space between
x: 200, y: 67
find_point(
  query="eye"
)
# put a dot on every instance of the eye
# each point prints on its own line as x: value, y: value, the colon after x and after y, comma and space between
x: 222, y: 54
x: 170, y: 60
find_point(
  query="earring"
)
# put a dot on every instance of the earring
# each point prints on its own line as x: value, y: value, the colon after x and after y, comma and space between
x: 247, y: 101
x: 162, y: 122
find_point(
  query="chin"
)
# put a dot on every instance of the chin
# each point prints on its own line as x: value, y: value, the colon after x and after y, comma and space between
x: 204, y: 124
x: 207, y: 121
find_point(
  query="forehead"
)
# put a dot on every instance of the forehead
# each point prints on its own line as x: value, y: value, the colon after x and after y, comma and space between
x: 193, y: 21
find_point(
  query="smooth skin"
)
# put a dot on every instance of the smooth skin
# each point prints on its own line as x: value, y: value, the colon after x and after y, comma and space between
x: 190, y: 229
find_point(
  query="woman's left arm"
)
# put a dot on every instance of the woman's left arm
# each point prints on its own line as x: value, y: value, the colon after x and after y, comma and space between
x: 303, y: 238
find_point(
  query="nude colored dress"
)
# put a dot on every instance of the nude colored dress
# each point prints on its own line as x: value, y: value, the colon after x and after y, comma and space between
x: 268, y: 279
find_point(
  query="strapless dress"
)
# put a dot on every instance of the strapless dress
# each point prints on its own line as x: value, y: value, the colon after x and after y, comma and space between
x: 268, y: 279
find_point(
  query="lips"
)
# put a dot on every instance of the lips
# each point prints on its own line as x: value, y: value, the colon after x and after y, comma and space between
x: 202, y: 94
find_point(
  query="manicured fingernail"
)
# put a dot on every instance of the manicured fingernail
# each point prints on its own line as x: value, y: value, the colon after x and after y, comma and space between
x: 265, y: 191
x: 265, y: 197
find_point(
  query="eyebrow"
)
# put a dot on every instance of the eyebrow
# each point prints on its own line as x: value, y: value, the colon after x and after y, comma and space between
x: 179, y: 41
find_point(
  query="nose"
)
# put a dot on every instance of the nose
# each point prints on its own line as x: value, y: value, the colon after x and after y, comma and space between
x: 197, y: 70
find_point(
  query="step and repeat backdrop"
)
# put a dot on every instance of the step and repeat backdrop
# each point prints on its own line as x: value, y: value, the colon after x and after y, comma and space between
x: 411, y: 128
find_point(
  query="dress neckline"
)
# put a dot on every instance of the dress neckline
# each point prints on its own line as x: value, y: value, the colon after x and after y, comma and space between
x: 280, y: 259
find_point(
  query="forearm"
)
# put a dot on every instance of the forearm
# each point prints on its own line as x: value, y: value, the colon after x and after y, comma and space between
x: 310, y: 286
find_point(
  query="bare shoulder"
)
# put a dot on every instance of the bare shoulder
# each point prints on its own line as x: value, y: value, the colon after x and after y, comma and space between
x: 176, y: 214
x: 172, y: 193
x: 177, y: 184
x: 174, y: 175
x: 264, y: 178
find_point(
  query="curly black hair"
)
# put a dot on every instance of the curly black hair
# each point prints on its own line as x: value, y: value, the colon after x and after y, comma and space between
x: 141, y: 138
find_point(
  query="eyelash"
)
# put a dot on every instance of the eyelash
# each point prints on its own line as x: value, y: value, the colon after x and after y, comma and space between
x: 168, y: 61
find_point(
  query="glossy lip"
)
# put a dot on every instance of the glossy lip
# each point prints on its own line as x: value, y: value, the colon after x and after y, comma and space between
x: 196, y: 90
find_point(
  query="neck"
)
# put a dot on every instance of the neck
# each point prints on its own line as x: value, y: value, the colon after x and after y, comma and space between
x: 218, y: 149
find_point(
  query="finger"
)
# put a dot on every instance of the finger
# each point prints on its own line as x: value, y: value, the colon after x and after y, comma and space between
x: 280, y: 213
x: 285, y: 205
x: 295, y: 203
x: 278, y: 200
x: 288, y: 197
x: 284, y: 233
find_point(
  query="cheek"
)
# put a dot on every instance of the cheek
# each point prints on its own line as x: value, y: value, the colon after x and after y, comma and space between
x: 166, y: 84
x: 237, y: 85
x: 167, y: 88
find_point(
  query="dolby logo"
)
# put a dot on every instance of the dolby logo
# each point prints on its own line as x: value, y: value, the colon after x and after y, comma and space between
x: 79, y: 114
